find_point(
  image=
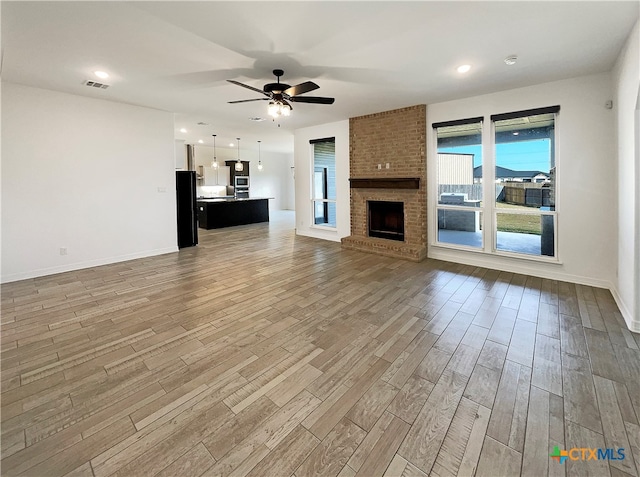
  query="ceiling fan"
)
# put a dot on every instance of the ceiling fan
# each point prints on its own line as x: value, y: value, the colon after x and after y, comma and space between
x: 280, y: 94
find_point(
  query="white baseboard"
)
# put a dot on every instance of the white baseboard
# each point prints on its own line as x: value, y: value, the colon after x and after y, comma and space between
x: 506, y: 264
x: 331, y: 235
x: 41, y: 272
x: 632, y: 324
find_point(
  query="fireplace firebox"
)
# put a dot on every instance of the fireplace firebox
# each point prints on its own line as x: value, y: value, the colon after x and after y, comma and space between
x: 386, y: 219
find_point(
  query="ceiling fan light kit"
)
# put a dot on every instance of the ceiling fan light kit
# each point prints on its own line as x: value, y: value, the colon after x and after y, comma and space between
x: 280, y: 94
x: 279, y: 108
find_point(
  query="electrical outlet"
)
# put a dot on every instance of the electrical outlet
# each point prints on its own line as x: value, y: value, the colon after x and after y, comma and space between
x: 388, y: 165
x: 63, y: 250
x: 379, y: 166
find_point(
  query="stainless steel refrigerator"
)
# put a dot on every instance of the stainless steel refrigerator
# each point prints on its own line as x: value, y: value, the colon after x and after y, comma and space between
x: 187, y: 210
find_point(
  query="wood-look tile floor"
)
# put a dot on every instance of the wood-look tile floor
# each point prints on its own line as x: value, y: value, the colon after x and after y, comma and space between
x: 265, y: 354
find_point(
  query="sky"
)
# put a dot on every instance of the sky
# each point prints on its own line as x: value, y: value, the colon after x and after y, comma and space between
x: 518, y: 156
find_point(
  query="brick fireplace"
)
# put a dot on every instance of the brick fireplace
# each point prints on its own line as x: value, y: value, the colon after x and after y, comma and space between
x: 398, y: 138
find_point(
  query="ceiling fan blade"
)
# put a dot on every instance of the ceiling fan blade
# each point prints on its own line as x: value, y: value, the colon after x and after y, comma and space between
x: 247, y: 86
x: 247, y: 100
x: 301, y: 88
x: 312, y: 99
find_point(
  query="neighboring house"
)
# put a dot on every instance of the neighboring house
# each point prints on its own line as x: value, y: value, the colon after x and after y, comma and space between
x: 509, y: 175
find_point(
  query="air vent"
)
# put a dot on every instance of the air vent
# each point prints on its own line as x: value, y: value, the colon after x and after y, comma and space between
x: 202, y: 124
x: 95, y: 84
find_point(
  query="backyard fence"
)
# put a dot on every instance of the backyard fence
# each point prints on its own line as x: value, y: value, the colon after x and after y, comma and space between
x: 528, y: 194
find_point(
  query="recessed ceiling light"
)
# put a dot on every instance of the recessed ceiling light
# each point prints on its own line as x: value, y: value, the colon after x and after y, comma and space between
x: 510, y: 60
x: 200, y: 141
x: 183, y: 130
x: 230, y: 144
x: 101, y: 74
x: 463, y: 68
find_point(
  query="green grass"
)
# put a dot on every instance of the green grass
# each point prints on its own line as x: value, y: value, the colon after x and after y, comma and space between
x: 523, y: 224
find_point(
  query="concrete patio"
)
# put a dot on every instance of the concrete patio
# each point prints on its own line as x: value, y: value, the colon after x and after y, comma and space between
x: 507, y: 241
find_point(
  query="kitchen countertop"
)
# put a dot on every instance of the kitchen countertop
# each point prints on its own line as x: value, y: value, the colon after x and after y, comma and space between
x: 231, y: 199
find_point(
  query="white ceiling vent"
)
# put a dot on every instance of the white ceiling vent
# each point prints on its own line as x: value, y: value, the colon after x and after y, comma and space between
x: 95, y: 84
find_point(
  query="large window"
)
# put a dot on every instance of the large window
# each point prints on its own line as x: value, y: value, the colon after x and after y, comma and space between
x: 324, y: 182
x: 518, y: 182
x: 525, y: 182
x: 460, y: 182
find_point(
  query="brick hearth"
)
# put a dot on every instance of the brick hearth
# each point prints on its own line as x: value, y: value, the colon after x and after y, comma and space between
x: 396, y: 137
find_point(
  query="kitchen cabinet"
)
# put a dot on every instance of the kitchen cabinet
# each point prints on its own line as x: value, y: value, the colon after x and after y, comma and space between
x: 223, y: 176
x: 233, y: 173
x: 216, y: 178
x: 218, y: 213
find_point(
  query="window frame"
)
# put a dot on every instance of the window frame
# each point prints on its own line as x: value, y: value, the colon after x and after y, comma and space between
x: 489, y: 211
x: 312, y: 188
x: 536, y: 212
x: 438, y: 206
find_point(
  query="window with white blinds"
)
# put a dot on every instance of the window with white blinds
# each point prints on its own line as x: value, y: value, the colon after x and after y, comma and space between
x: 323, y: 190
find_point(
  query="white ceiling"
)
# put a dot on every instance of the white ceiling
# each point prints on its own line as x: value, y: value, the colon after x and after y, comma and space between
x: 371, y: 56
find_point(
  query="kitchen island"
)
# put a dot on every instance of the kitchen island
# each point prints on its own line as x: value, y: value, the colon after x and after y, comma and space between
x: 221, y: 212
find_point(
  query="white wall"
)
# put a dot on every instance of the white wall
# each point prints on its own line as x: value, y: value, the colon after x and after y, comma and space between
x: 302, y: 161
x: 93, y: 176
x: 587, y: 180
x: 290, y: 203
x: 274, y: 180
x: 626, y: 79
x: 180, y: 154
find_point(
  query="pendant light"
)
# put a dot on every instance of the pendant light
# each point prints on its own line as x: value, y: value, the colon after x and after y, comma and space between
x: 214, y: 163
x: 259, y: 159
x: 238, y: 165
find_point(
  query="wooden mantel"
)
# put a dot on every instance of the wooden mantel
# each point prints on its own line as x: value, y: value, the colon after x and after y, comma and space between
x: 385, y: 183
